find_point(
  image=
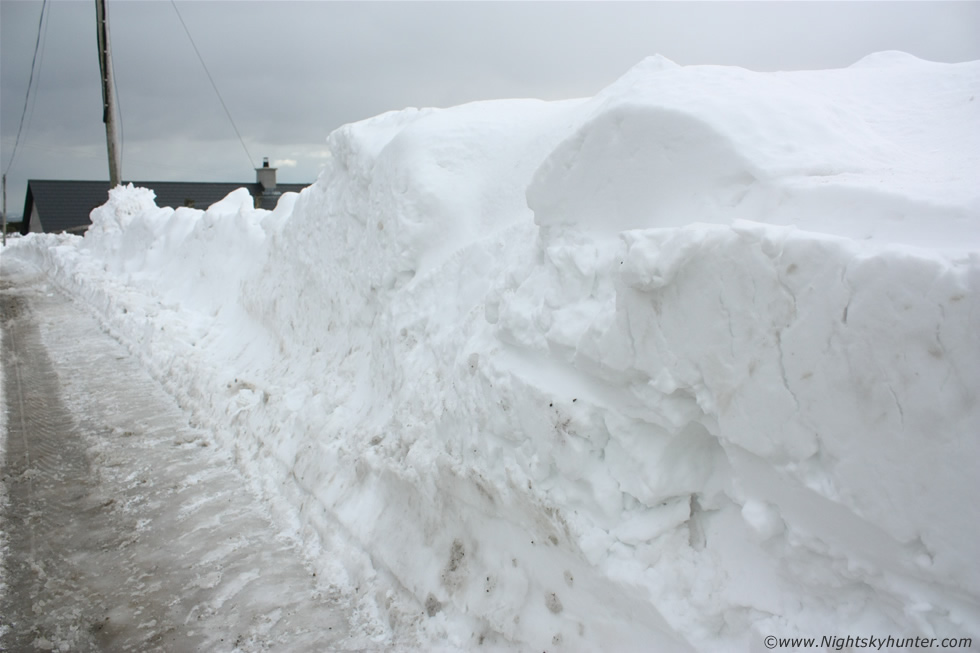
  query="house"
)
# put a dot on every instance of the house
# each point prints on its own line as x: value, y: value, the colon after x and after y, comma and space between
x: 55, y: 205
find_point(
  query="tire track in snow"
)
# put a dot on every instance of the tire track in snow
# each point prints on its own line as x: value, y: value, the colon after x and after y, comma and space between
x: 44, y: 468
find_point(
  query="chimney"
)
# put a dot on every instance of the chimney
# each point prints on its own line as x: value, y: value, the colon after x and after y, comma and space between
x: 266, y: 176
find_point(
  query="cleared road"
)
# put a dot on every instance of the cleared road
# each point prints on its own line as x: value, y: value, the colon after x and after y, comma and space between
x: 123, y: 528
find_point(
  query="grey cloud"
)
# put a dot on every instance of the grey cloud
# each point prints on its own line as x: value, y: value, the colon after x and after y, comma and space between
x: 290, y: 72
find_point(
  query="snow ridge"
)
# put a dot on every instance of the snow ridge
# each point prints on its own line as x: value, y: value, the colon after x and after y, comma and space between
x: 678, y: 366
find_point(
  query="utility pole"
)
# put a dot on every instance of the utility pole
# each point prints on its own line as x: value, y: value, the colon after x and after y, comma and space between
x: 5, y: 209
x: 108, y: 100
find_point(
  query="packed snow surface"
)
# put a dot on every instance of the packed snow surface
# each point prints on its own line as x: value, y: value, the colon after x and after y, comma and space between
x: 679, y: 366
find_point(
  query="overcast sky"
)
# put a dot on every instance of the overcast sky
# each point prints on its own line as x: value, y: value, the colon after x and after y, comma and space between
x: 291, y: 72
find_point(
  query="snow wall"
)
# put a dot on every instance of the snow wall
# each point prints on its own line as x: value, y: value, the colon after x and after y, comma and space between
x: 675, y: 367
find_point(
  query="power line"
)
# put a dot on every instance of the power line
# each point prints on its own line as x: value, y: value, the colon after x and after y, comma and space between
x: 213, y: 85
x: 30, y: 83
x: 40, y: 69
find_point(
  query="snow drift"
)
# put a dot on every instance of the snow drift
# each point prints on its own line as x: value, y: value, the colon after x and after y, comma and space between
x: 679, y: 366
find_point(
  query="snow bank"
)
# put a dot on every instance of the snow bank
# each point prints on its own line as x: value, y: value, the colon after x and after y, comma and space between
x: 682, y: 365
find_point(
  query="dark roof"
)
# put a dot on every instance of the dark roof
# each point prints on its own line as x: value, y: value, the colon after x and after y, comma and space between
x: 65, y: 205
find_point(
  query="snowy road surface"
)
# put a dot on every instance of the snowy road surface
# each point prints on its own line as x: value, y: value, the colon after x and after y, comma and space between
x: 125, y: 528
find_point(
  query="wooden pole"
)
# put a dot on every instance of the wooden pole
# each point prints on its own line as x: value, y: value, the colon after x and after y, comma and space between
x: 5, y: 209
x: 108, y: 99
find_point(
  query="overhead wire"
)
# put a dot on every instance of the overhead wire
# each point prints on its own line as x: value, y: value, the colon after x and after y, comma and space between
x: 35, y: 73
x: 40, y: 69
x: 213, y: 85
x: 30, y: 84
